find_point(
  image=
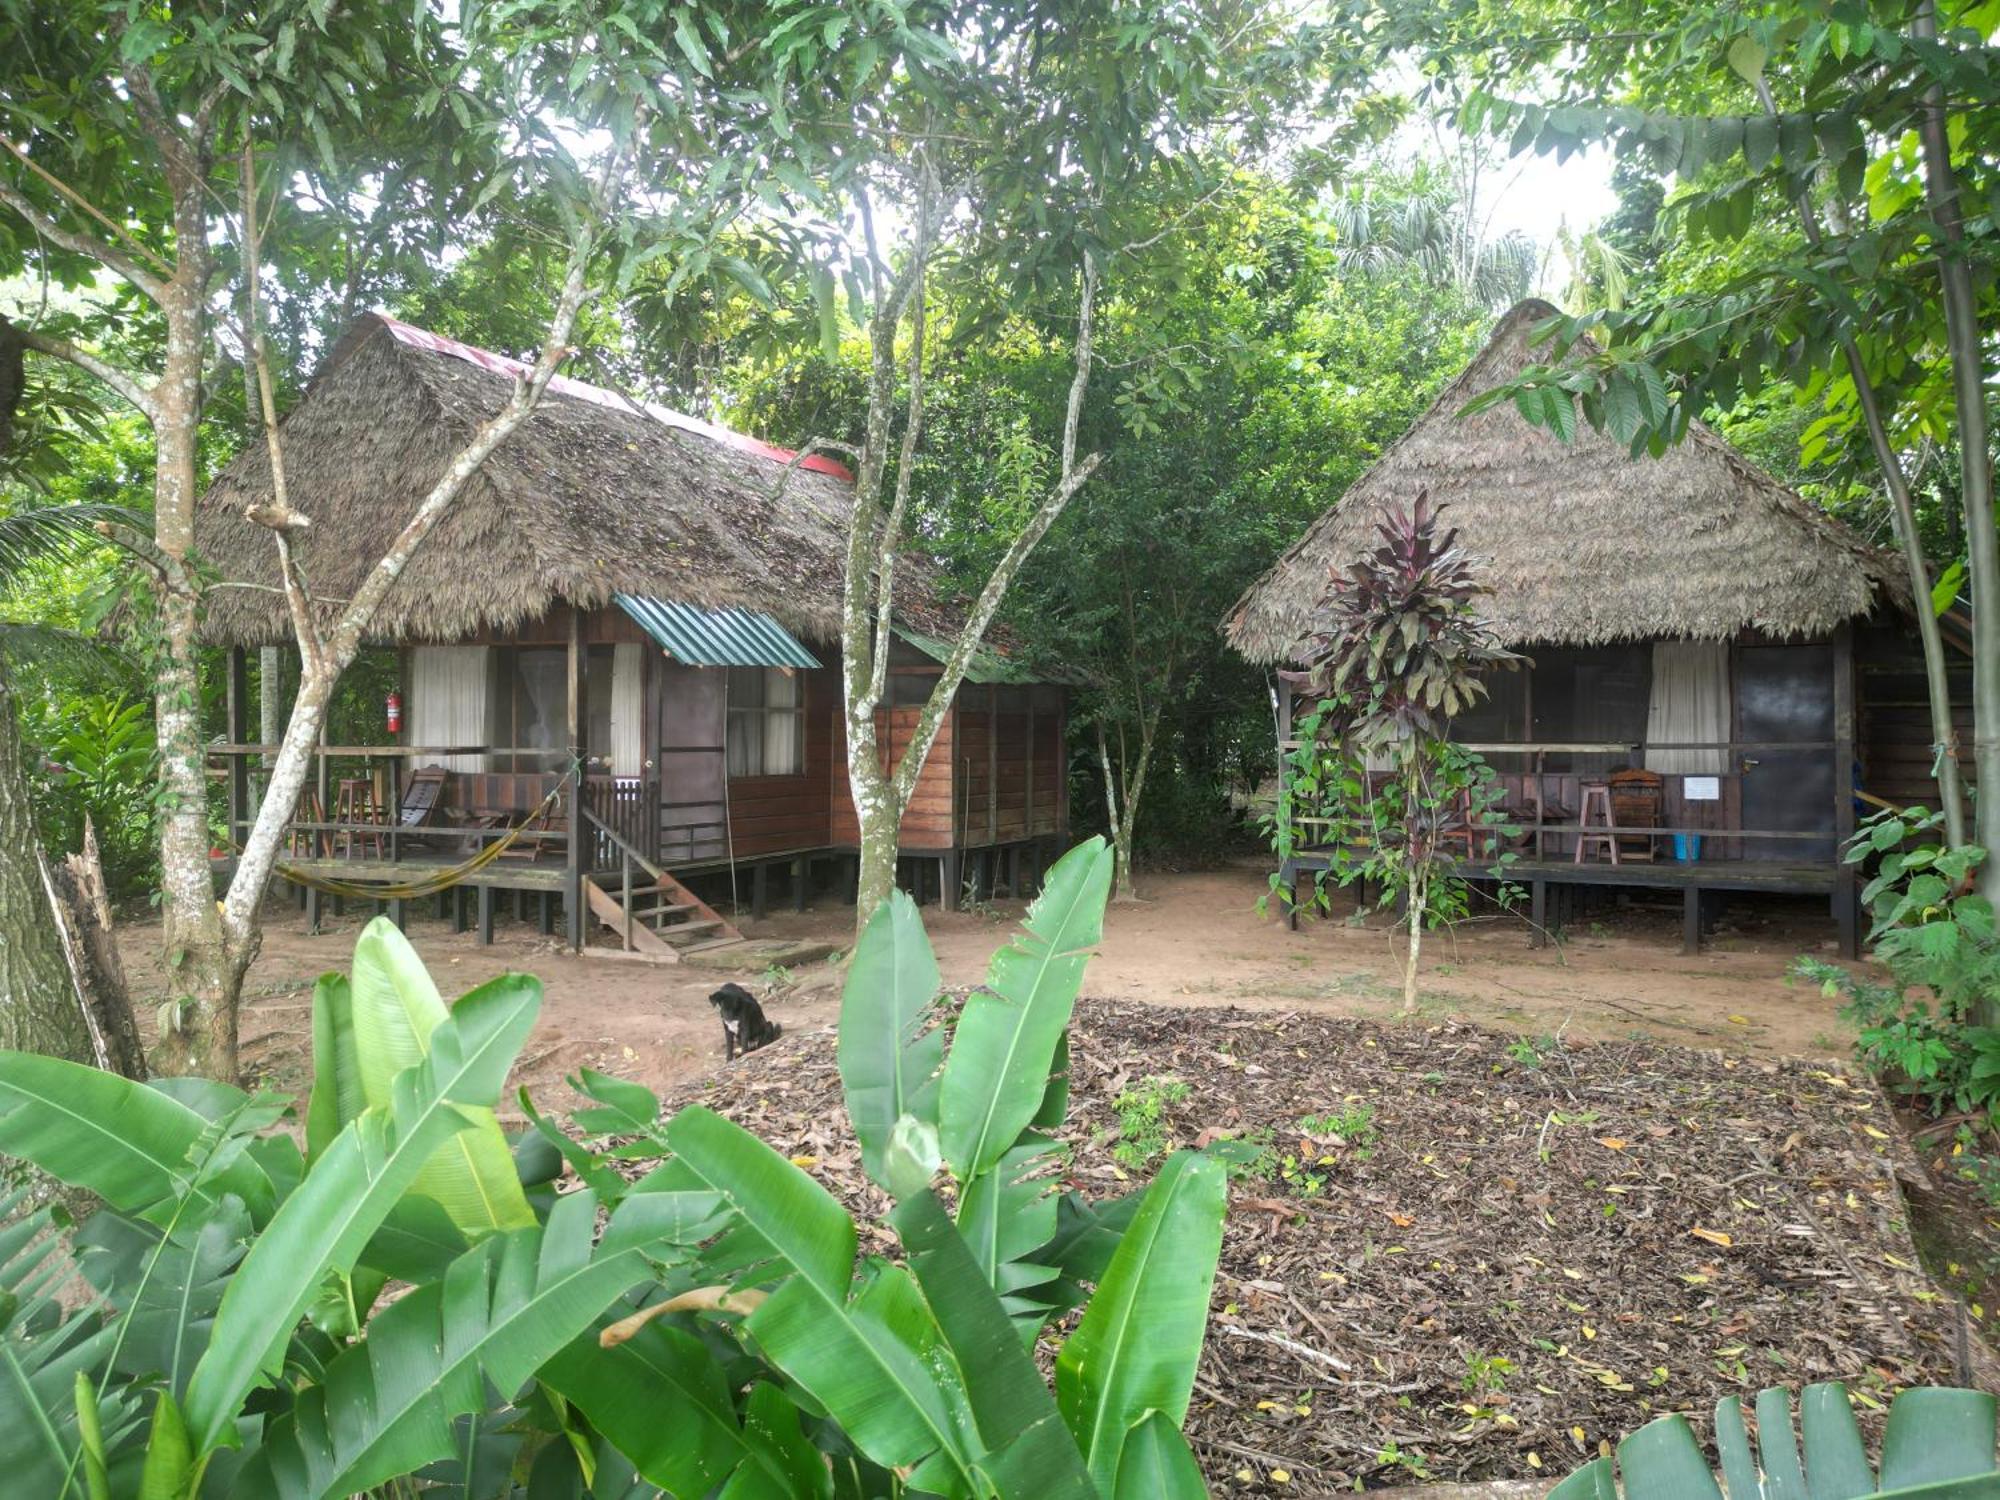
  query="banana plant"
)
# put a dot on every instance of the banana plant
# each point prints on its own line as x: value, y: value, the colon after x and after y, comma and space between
x: 1938, y: 1445
x: 919, y: 1378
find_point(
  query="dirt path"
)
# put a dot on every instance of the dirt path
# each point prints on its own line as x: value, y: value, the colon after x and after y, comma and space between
x: 1195, y: 940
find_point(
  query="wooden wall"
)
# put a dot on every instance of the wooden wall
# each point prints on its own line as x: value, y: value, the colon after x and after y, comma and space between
x: 927, y: 821
x: 782, y: 814
x: 1894, y: 734
x: 1010, y: 770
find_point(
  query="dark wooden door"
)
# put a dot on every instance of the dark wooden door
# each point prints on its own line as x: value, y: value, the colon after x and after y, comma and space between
x: 1784, y: 695
x: 694, y: 793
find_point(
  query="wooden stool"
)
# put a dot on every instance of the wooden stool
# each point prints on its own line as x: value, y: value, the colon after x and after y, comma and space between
x: 355, y: 803
x: 307, y: 841
x: 1601, y: 834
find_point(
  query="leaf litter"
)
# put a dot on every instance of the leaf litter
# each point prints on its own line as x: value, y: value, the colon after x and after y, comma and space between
x: 1453, y: 1256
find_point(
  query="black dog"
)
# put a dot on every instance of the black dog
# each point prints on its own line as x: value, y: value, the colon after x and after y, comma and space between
x: 744, y: 1027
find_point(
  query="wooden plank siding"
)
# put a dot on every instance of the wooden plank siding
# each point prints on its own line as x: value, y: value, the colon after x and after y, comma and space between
x: 927, y: 821
x: 1893, y: 704
x: 787, y: 814
x: 1012, y: 778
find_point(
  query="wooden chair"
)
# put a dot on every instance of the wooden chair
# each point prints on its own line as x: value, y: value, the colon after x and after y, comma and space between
x: 422, y: 800
x: 1638, y: 798
x: 355, y: 803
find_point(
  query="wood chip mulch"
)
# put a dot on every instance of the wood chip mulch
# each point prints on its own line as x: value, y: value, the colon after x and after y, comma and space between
x: 1539, y: 1250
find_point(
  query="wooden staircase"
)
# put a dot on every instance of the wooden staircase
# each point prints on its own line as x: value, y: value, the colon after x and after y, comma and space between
x: 665, y: 922
x: 654, y: 918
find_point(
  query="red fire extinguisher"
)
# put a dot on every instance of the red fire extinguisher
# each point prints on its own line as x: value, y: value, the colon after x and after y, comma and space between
x: 395, y: 713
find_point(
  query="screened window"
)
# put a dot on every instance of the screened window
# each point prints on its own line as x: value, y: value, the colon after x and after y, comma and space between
x: 532, y: 707
x: 1591, y: 695
x: 766, y: 734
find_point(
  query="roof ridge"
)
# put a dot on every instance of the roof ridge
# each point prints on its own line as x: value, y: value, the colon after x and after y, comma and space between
x: 414, y: 337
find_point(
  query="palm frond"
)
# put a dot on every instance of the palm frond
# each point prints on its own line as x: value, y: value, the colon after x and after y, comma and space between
x: 43, y: 532
x: 46, y: 651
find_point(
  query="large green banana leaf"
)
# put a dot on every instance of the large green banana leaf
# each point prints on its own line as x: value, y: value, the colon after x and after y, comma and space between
x: 663, y: 1400
x: 1157, y: 1463
x: 1030, y: 1452
x: 1138, y: 1343
x: 328, y: 1220
x: 887, y: 1060
x: 1938, y: 1445
x: 131, y: 1145
x: 1004, y: 1044
x: 875, y: 1361
x: 389, y: 1404
x: 42, y: 1353
x: 366, y: 1031
x: 168, y: 1287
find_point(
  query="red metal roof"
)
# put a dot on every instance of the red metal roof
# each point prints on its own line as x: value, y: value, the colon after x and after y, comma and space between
x: 562, y: 385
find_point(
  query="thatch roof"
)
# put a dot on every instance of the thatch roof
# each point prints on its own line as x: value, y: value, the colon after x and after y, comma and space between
x: 1580, y: 542
x: 593, y: 496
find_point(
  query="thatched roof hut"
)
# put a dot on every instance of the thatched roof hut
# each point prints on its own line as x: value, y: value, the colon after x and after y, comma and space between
x: 595, y: 495
x: 1581, y: 543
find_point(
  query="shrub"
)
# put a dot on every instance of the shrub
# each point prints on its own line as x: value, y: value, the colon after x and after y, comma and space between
x: 1930, y: 1031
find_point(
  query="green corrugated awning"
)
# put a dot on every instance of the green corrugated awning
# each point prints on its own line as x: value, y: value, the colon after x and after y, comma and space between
x: 716, y: 637
x: 985, y: 667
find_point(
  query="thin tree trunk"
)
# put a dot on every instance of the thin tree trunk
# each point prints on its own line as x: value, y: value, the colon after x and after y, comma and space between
x: 1937, y: 675
x: 1414, y: 947
x: 270, y: 714
x: 1982, y: 534
x: 39, y: 1009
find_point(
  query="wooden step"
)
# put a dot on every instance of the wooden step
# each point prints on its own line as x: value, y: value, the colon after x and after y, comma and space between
x: 681, y: 929
x: 633, y: 934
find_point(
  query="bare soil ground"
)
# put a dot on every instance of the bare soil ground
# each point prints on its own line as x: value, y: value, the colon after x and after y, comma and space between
x: 1195, y: 940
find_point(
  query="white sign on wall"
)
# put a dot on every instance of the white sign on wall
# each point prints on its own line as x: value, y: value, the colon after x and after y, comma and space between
x: 1701, y: 788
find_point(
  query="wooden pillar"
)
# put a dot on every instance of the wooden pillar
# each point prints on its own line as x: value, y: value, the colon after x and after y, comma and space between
x: 1029, y: 827
x: 1691, y: 919
x: 1538, y: 914
x: 238, y: 734
x: 1846, y: 889
x: 801, y: 878
x: 760, y: 890
x: 486, y: 915
x: 573, y: 874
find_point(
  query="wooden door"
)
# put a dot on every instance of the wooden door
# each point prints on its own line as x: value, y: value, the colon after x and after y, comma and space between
x: 1784, y: 696
x: 694, y: 789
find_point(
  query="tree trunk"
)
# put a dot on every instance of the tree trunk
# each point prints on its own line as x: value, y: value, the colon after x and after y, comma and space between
x: 84, y: 910
x: 204, y: 978
x: 1982, y: 533
x: 270, y: 717
x: 39, y: 1010
x: 1414, y: 948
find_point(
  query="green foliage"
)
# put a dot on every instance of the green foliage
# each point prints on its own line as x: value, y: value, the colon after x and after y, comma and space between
x: 708, y: 1327
x: 1933, y: 1030
x: 1938, y: 1445
x: 1142, y: 1125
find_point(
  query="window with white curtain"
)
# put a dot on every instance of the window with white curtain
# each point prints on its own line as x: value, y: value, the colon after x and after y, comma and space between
x: 448, y: 702
x: 766, y: 734
x: 1689, y: 705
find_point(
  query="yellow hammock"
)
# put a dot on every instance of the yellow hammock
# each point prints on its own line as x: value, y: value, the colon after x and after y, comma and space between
x: 429, y: 885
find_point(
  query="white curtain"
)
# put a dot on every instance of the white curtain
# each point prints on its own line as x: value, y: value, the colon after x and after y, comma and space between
x: 1690, y: 704
x: 628, y: 750
x: 448, y: 702
x: 783, y: 752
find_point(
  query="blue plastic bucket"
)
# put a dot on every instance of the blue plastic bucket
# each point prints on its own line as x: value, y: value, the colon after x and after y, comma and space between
x: 1687, y: 847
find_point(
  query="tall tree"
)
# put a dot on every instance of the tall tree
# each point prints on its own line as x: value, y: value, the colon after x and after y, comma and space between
x: 167, y: 151
x: 1028, y: 151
